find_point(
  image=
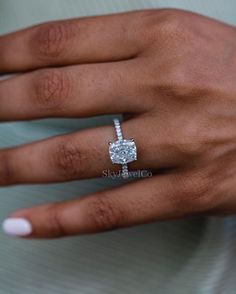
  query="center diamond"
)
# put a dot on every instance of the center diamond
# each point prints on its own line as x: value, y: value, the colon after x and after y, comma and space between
x: 122, y: 151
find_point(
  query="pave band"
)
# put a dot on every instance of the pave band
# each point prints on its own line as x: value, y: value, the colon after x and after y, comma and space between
x: 122, y: 151
x: 119, y: 135
x: 118, y: 129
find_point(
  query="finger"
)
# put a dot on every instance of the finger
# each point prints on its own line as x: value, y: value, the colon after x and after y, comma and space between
x: 73, y: 91
x: 85, y: 154
x: 79, y: 155
x: 157, y: 198
x: 84, y: 40
x: 82, y: 154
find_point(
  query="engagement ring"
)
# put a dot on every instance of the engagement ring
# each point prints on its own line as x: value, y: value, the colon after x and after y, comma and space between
x: 122, y: 151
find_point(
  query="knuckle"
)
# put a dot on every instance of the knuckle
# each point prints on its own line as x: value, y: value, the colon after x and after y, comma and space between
x: 172, y: 23
x: 105, y: 213
x: 51, y: 40
x: 56, y: 227
x: 197, y: 192
x: 176, y: 79
x: 6, y: 172
x: 69, y: 160
x: 150, y: 16
x: 52, y: 89
x: 166, y: 25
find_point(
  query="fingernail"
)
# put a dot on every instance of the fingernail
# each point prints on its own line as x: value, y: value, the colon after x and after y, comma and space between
x: 17, y: 227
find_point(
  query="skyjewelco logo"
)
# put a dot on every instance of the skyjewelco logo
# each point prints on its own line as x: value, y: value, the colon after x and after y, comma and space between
x: 141, y: 173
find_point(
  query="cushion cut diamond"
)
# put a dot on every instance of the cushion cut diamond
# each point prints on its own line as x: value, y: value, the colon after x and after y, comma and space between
x: 122, y: 151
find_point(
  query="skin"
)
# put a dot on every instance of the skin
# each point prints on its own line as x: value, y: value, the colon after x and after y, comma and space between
x: 172, y: 73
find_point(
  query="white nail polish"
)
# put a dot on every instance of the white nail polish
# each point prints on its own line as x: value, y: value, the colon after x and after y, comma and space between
x: 17, y: 227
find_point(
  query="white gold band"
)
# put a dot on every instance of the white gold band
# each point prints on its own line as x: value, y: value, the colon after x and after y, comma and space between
x: 118, y: 129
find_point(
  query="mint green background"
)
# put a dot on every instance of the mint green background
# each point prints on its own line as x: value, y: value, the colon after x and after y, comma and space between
x: 187, y: 256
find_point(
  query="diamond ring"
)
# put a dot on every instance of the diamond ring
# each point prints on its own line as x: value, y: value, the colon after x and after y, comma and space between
x: 122, y: 151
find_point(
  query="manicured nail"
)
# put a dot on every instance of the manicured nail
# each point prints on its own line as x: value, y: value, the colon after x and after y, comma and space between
x: 17, y: 227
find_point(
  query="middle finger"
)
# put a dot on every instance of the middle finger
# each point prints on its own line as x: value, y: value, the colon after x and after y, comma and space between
x: 73, y: 91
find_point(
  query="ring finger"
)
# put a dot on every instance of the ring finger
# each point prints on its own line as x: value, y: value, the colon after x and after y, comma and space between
x: 82, y: 154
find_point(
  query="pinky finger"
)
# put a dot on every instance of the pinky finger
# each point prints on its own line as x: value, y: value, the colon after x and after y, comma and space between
x: 144, y: 201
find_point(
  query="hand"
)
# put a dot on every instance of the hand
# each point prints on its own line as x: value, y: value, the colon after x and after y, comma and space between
x: 172, y: 72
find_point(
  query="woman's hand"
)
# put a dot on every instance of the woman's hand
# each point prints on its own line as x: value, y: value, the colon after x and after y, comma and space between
x: 173, y: 73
